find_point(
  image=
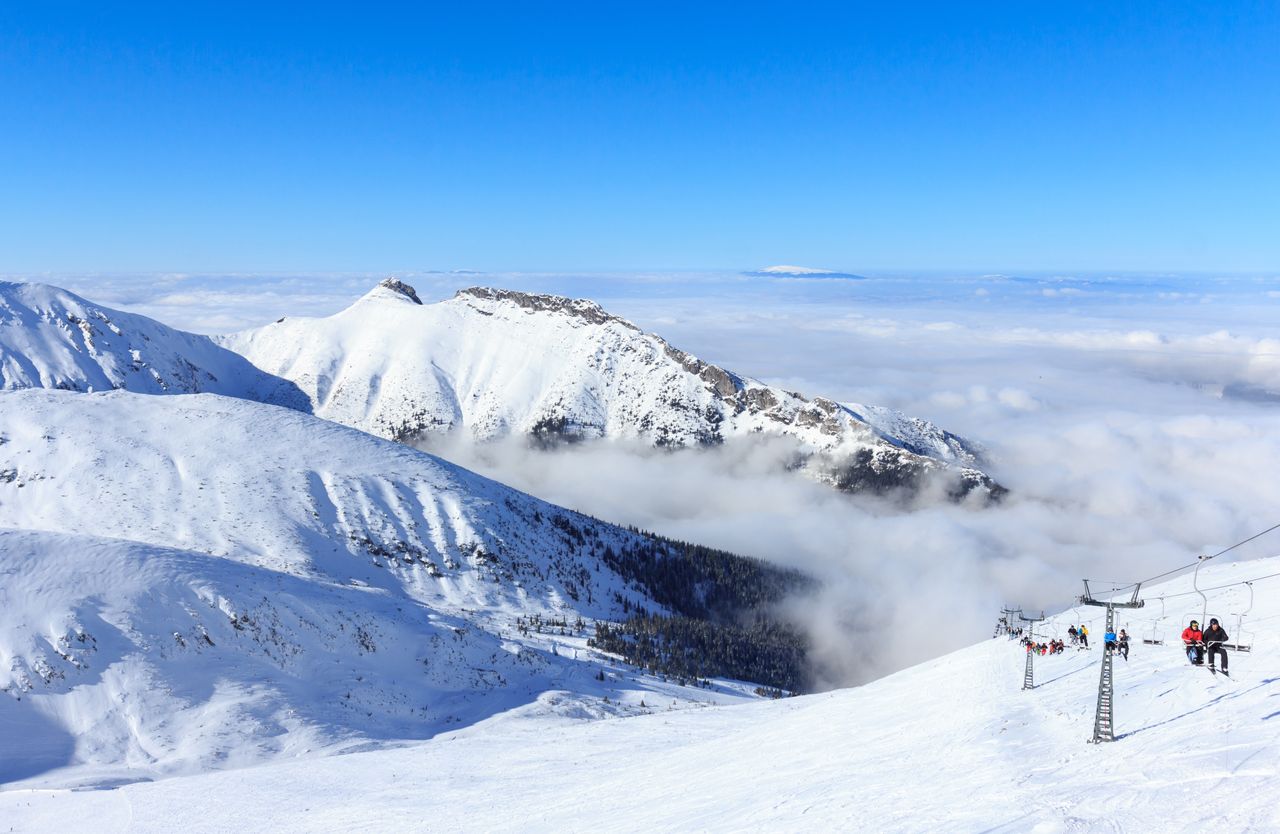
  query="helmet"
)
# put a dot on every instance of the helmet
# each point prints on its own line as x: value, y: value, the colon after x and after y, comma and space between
x: 1195, y: 623
x: 1213, y: 621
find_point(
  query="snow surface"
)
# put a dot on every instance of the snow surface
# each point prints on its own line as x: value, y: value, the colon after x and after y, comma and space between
x: 51, y: 338
x: 487, y: 362
x: 248, y: 581
x: 497, y: 362
x: 950, y: 745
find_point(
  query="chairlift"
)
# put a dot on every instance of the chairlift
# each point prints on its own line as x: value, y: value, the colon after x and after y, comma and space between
x: 1195, y: 584
x: 1155, y: 639
x: 1240, y: 644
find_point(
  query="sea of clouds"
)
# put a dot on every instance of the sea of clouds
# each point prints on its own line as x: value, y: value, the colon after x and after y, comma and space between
x: 1135, y: 420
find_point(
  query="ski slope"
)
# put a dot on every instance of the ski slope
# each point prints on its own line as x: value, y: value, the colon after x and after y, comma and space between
x: 954, y: 744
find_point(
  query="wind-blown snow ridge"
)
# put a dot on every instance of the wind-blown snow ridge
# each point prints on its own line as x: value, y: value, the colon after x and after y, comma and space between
x: 494, y: 362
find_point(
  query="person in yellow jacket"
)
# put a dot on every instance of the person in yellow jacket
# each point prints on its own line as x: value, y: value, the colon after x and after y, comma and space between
x: 1084, y: 636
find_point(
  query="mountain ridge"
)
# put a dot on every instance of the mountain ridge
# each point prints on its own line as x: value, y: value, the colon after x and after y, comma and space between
x: 494, y: 362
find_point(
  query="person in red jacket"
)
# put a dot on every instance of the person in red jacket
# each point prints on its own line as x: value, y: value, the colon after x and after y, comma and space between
x: 1193, y: 640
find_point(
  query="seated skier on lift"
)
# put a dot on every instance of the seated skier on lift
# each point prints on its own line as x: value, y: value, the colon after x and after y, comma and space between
x: 1214, y: 637
x: 1109, y: 641
x: 1193, y: 641
x: 1122, y: 643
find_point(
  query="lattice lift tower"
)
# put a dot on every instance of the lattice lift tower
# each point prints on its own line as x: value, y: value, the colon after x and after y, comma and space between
x: 1029, y: 677
x: 1103, y: 719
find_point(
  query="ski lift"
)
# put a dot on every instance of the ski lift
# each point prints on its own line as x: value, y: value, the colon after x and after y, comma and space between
x: 1155, y: 639
x: 1240, y: 644
x: 1195, y: 584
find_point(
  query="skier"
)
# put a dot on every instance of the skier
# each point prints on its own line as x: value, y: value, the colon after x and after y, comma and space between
x: 1074, y: 635
x: 1109, y: 641
x: 1214, y: 636
x: 1193, y: 640
x: 1084, y: 636
x: 1123, y: 643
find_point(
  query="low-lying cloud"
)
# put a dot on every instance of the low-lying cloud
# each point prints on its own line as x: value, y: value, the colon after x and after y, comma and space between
x: 1134, y: 420
x: 1116, y: 497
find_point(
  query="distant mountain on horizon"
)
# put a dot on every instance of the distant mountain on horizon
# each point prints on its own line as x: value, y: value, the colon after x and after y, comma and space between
x: 787, y: 271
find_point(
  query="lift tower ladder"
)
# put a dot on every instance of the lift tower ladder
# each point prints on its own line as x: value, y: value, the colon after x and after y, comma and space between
x: 1029, y: 676
x: 1104, y: 718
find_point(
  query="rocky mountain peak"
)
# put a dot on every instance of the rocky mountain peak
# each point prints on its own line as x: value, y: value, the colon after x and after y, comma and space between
x: 580, y: 308
x: 401, y: 288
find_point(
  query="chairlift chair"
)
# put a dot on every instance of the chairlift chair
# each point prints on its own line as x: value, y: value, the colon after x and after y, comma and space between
x: 1155, y: 639
x: 1240, y: 644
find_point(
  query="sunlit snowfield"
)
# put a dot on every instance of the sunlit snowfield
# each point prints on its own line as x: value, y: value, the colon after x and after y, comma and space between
x: 1135, y: 418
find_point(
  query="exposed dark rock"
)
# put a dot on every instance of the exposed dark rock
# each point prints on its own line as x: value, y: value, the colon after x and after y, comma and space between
x: 537, y: 302
x: 398, y: 286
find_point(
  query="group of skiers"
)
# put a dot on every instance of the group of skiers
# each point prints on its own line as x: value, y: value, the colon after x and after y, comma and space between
x: 1210, y: 641
x: 1052, y: 647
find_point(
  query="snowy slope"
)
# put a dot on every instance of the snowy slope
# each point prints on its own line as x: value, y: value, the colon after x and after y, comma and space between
x: 950, y: 745
x: 51, y: 338
x: 322, y: 564
x: 121, y: 661
x: 282, y: 490
x: 498, y: 362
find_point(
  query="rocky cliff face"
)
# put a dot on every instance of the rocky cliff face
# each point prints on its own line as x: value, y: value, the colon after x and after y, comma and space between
x: 495, y: 362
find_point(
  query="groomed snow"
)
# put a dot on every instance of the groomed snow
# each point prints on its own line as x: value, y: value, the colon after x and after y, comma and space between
x: 950, y: 745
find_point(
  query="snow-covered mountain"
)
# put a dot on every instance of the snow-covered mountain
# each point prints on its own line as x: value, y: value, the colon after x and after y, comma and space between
x: 496, y: 362
x: 789, y: 271
x: 51, y: 338
x: 201, y: 581
x: 951, y: 745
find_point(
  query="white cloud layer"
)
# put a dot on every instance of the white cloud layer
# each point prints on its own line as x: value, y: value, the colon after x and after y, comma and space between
x: 1136, y: 421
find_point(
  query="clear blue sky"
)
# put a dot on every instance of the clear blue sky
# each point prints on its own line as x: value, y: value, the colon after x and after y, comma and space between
x: 642, y: 135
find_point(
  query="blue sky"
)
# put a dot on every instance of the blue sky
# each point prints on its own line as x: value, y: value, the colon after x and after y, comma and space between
x: 639, y: 136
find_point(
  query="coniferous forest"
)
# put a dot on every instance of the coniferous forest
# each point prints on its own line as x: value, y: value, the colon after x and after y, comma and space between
x: 724, y: 616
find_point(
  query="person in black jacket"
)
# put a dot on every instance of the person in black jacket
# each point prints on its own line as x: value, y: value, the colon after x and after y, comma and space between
x: 1122, y: 644
x: 1214, y: 637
